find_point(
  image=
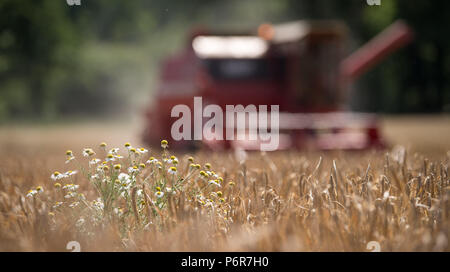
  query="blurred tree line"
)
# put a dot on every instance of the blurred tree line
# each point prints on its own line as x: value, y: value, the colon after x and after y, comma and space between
x: 101, y: 58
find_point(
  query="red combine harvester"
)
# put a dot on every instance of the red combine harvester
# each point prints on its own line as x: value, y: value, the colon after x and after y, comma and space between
x: 297, y: 65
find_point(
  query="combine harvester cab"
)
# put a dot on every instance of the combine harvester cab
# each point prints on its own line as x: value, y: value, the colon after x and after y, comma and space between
x: 298, y: 66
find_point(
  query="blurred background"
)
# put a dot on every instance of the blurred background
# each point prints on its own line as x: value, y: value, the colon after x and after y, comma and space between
x: 99, y: 61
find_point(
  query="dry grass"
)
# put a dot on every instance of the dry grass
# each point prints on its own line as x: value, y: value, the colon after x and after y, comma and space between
x: 291, y: 201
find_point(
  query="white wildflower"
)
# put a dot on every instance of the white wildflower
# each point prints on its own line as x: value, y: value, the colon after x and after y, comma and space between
x: 57, y: 175
x: 214, y: 182
x: 94, y: 161
x: 31, y: 193
x: 172, y: 170
x: 74, y: 204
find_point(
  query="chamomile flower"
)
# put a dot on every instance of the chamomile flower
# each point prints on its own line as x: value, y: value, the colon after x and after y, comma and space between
x: 164, y: 144
x: 191, y: 159
x: 56, y: 175
x: 70, y: 173
x: 151, y: 160
x: 94, y: 161
x: 117, y: 166
x: 103, y: 144
x: 74, y: 204
x: 31, y: 193
x: 70, y: 195
x: 133, y: 169
x: 70, y: 156
x: 172, y: 170
x: 57, y: 204
x: 142, y: 165
x: 124, y: 187
x: 87, y: 152
x: 118, y: 211
x: 71, y: 187
x: 127, y: 145
x: 98, y: 204
x: 173, y: 160
x: 213, y: 174
x: 114, y: 151
x: 208, y: 166
x: 95, y: 176
x: 124, y: 178
x: 214, y: 182
x: 57, y: 185
x: 209, y: 203
x: 142, y: 150
x: 39, y: 189
x: 110, y: 157
x: 203, y: 174
x: 159, y: 165
x: 159, y: 194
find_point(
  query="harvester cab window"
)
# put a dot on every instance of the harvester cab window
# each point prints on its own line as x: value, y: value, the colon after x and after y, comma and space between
x: 237, y: 69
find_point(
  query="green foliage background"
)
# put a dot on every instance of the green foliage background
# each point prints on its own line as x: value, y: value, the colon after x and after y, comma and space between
x: 101, y: 59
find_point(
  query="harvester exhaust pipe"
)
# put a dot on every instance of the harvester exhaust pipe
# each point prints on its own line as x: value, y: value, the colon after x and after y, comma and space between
x: 392, y: 38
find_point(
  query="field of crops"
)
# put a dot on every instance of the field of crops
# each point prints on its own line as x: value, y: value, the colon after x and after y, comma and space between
x: 153, y: 199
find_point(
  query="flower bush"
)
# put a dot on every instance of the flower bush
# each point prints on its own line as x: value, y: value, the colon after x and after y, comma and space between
x: 132, y: 190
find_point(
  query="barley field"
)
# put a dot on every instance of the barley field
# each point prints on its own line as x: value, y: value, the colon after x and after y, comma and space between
x: 61, y: 183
